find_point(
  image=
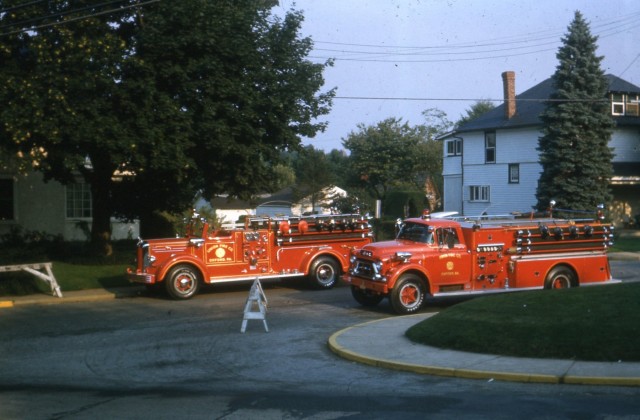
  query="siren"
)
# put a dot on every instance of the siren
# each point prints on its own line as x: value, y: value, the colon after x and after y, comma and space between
x: 426, y: 214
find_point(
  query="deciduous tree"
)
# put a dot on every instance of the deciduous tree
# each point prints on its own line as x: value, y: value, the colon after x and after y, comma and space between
x: 152, y: 102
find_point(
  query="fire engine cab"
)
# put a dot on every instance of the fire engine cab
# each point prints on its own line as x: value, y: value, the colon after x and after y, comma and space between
x: 449, y: 257
x: 316, y: 247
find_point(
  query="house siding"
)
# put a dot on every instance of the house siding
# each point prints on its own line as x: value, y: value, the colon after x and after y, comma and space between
x: 626, y: 144
x: 453, y: 198
x: 41, y: 207
x: 517, y: 137
x: 512, y: 146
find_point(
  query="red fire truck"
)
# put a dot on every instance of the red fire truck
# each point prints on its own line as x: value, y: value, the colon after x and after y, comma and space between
x: 316, y: 247
x: 448, y: 257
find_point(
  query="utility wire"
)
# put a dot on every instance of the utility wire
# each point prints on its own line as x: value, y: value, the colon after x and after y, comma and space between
x: 20, y: 6
x: 59, y: 15
x: 373, y: 98
x: 386, y: 53
x: 104, y: 12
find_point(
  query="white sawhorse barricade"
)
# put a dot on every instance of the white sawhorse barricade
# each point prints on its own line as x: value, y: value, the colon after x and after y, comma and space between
x: 34, y: 269
x: 256, y: 298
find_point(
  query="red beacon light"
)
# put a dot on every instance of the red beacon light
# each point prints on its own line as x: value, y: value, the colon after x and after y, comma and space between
x: 426, y: 214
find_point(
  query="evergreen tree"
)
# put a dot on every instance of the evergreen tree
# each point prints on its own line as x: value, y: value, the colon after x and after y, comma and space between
x: 577, y: 126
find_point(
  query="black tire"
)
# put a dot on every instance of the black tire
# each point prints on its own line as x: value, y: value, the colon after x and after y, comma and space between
x: 182, y: 282
x: 560, y: 277
x: 324, y: 273
x: 408, y: 294
x: 366, y: 297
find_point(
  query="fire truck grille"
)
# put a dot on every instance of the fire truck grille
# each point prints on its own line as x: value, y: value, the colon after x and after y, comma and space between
x: 364, y: 269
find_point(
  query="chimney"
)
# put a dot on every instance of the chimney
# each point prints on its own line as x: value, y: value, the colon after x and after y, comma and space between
x: 509, y: 84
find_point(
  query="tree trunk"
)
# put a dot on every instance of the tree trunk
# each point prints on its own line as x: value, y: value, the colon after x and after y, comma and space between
x: 101, y: 223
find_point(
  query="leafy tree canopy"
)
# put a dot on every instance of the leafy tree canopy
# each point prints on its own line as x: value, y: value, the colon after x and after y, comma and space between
x: 394, y: 154
x: 477, y: 109
x: 151, y: 104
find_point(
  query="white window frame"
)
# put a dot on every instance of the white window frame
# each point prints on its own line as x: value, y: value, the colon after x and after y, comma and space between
x: 625, y: 104
x: 632, y: 105
x: 454, y: 147
x: 79, y: 201
x: 490, y: 136
x: 514, y: 173
x: 479, y: 193
x: 617, y: 104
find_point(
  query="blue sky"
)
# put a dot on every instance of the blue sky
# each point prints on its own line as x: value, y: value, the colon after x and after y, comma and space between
x: 405, y: 56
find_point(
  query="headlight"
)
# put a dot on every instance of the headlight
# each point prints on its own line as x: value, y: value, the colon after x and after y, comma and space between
x: 377, y: 270
x: 402, y: 256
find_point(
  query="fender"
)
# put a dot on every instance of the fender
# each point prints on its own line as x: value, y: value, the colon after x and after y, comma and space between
x: 181, y: 259
x: 321, y: 251
x: 394, y: 274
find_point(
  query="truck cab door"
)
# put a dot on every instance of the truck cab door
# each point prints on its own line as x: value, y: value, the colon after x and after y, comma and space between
x: 452, y: 267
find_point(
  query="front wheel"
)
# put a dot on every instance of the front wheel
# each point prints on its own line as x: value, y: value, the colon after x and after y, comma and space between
x: 365, y: 297
x: 560, y: 278
x: 324, y: 273
x: 183, y: 281
x: 408, y: 294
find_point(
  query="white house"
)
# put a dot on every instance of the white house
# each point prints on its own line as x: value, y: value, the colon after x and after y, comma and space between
x: 29, y: 203
x: 281, y: 203
x: 491, y: 164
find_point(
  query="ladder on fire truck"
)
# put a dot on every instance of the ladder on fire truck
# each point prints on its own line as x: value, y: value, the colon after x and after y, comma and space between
x: 257, y: 299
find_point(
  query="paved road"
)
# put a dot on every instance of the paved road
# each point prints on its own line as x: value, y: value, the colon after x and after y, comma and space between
x: 149, y: 357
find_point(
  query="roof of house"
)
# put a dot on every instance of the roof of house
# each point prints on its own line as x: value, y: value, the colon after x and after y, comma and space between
x: 529, y: 107
x: 284, y: 197
x: 228, y: 203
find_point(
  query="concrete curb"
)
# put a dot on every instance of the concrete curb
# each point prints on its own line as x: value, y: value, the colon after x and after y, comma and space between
x: 434, y: 370
x: 456, y: 361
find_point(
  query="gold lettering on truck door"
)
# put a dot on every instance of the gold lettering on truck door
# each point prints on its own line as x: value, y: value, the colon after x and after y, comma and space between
x: 219, y: 253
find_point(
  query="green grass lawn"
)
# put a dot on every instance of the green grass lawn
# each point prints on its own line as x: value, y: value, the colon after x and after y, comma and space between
x: 626, y: 244
x: 69, y: 276
x: 599, y: 323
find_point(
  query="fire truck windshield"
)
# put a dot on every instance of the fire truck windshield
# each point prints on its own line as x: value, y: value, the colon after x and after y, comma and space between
x: 416, y: 232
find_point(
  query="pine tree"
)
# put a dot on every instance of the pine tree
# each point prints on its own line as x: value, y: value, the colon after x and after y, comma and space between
x: 577, y: 126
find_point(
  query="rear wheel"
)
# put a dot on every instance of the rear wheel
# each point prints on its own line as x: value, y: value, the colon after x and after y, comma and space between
x: 324, y: 273
x: 408, y: 294
x: 560, y: 278
x: 365, y: 297
x: 183, y: 281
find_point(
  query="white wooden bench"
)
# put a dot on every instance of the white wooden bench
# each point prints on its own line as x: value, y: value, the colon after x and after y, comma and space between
x: 40, y: 270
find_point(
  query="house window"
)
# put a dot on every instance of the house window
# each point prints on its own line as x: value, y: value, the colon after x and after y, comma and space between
x: 78, y: 200
x: 514, y: 173
x: 625, y: 104
x: 6, y: 199
x: 479, y: 193
x: 490, y: 147
x: 454, y: 147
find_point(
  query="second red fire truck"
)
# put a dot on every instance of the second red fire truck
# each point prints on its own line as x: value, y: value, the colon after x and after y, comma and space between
x: 315, y: 247
x: 445, y: 257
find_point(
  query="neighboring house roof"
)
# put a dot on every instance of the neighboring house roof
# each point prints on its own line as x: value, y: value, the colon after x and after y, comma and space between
x: 529, y: 108
x: 284, y: 197
x: 226, y: 203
